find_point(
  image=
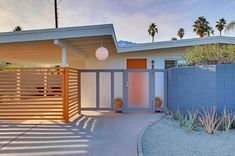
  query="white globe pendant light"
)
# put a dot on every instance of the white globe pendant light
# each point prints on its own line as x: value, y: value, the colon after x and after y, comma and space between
x: 101, y: 53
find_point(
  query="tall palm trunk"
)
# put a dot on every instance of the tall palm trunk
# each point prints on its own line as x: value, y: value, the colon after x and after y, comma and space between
x: 220, y: 33
x: 152, y: 38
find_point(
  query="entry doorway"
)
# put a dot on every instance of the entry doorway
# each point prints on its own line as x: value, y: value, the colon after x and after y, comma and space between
x: 137, y: 84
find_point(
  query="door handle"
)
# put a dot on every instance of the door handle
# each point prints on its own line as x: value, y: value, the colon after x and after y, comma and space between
x: 126, y: 84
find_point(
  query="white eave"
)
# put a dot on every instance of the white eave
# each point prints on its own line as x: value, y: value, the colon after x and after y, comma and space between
x: 106, y: 30
x: 59, y: 33
x: 177, y: 43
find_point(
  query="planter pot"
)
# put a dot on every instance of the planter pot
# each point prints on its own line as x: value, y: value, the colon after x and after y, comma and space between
x: 158, y: 104
x: 118, y: 104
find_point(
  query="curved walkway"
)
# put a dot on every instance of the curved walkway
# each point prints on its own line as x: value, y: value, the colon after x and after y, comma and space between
x: 91, y: 134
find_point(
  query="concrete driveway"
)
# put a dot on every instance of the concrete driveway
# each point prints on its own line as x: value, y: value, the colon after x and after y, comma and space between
x: 91, y: 134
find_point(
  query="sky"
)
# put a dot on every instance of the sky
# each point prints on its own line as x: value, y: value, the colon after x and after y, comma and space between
x: 131, y: 18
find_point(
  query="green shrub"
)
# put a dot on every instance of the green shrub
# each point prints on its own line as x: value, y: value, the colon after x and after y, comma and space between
x: 227, y: 119
x: 210, y: 54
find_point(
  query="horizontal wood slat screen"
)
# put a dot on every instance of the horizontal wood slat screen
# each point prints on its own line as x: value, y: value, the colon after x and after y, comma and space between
x: 74, y: 90
x: 38, y: 93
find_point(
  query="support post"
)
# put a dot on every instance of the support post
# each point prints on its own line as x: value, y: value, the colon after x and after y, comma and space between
x: 66, y: 95
x: 79, y: 92
x: 64, y: 57
x: 152, y: 89
x: 97, y: 90
x: 165, y: 88
x: 125, y: 90
x: 112, y: 90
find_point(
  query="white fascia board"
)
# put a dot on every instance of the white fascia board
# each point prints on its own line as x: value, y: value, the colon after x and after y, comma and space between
x: 105, y: 30
x: 59, y: 33
x: 177, y: 43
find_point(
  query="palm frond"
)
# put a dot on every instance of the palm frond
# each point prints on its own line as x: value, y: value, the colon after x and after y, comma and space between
x: 230, y: 26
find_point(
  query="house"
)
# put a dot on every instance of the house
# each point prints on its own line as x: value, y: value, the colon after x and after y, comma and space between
x: 102, y: 81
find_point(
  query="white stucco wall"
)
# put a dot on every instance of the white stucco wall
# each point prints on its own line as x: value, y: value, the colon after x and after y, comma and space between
x: 118, y: 61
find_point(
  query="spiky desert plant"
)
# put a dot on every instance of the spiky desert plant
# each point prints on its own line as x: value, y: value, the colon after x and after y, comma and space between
x: 181, y: 119
x: 190, y: 120
x: 209, y: 119
x: 177, y: 115
x: 227, y: 119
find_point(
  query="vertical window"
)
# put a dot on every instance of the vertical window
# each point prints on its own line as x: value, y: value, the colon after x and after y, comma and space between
x: 170, y: 63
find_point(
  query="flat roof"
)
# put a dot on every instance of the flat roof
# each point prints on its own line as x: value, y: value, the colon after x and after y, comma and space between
x: 105, y: 30
x: 58, y: 33
x: 177, y: 43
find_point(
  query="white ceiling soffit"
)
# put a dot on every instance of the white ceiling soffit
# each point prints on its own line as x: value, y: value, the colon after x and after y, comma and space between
x: 72, y: 48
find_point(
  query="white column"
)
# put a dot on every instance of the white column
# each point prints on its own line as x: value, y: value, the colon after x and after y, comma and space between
x: 64, y: 57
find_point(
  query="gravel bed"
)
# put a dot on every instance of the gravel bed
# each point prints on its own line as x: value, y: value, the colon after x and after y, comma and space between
x: 167, y: 138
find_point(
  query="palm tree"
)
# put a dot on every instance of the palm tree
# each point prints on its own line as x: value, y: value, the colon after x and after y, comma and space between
x: 18, y: 28
x: 202, y: 27
x: 230, y: 26
x: 181, y: 33
x: 220, y: 24
x: 152, y: 30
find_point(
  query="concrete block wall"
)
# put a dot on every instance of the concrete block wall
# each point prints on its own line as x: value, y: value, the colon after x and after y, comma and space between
x: 201, y: 86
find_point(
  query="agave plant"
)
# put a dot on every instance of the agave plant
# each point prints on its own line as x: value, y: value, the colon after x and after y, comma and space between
x: 176, y: 115
x: 190, y: 120
x: 226, y: 120
x: 209, y: 119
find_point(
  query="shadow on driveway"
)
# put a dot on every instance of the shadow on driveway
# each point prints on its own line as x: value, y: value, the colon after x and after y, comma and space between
x: 93, y: 133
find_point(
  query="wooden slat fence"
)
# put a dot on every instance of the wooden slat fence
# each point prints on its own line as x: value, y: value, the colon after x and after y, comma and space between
x: 73, y: 92
x: 37, y: 93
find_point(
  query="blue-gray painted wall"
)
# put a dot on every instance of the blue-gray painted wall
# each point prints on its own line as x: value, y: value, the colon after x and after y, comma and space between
x: 201, y: 86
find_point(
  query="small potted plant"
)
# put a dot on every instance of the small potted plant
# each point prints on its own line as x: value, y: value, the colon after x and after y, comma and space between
x: 118, y: 104
x: 158, y: 104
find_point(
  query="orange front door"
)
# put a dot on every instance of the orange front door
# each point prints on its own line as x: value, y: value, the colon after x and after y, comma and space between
x: 138, y: 84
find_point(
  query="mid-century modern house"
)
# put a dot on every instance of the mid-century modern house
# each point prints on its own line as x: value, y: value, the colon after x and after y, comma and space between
x: 133, y: 72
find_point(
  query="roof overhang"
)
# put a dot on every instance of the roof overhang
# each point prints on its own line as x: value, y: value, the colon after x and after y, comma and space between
x: 44, y: 47
x: 177, y: 44
x: 59, y: 33
x: 88, y: 38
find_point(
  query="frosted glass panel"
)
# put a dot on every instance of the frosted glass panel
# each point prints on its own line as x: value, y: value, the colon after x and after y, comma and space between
x: 159, y: 85
x: 105, y: 90
x: 88, y: 90
x: 138, y: 89
x: 118, y: 85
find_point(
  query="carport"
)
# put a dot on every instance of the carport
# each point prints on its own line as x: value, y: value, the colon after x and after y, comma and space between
x: 45, y: 82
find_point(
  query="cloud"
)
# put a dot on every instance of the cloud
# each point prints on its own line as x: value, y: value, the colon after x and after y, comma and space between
x: 130, y: 18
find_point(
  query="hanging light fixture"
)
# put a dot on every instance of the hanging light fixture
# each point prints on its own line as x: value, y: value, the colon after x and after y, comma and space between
x: 101, y: 53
